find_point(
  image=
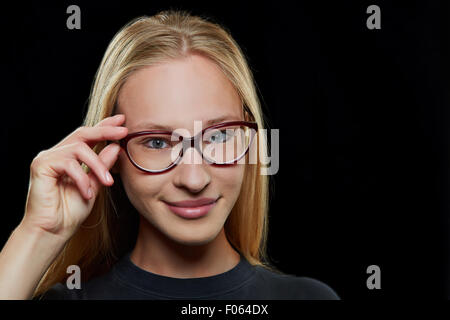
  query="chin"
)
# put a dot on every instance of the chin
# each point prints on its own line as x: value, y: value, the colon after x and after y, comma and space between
x: 194, y: 236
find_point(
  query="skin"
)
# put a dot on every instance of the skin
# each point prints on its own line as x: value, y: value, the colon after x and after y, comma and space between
x: 177, y: 93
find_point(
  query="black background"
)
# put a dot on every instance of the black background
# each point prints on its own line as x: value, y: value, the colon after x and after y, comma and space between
x: 363, y: 119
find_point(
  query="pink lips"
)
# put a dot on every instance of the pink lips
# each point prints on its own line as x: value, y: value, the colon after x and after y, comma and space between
x: 191, y: 209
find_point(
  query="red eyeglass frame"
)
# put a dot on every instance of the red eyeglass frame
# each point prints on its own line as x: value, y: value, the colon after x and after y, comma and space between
x: 187, y: 142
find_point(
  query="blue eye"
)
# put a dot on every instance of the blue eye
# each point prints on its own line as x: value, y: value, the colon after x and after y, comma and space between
x: 219, y: 138
x: 215, y: 138
x: 155, y: 143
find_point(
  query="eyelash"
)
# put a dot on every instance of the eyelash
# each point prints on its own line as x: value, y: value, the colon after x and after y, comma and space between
x: 169, y: 142
x: 155, y: 139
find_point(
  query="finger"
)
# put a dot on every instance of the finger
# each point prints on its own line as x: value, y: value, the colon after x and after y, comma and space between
x: 80, y: 151
x: 115, y: 121
x: 81, y: 131
x: 108, y: 156
x: 72, y: 168
x: 92, y: 135
x: 111, y: 121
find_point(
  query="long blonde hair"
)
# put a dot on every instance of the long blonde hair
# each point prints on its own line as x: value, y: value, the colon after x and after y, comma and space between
x: 111, y: 228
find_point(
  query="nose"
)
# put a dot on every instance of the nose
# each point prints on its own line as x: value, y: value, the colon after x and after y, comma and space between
x: 191, y: 173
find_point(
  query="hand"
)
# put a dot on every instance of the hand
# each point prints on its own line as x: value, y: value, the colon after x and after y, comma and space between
x: 61, y: 194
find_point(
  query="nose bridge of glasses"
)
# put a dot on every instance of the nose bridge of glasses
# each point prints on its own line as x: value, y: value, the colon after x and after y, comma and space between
x: 192, y: 142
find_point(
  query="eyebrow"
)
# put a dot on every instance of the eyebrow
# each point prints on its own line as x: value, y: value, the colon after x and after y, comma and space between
x: 148, y: 125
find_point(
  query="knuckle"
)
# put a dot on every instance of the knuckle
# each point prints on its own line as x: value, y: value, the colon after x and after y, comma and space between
x: 70, y: 164
x: 41, y: 154
x: 75, y: 167
x: 35, y: 164
x: 80, y: 130
x: 37, y: 160
x: 80, y: 146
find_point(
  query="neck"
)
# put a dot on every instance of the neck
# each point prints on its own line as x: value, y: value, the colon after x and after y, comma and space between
x: 156, y: 253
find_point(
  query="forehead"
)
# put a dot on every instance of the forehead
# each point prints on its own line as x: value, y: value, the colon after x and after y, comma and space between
x: 178, y: 92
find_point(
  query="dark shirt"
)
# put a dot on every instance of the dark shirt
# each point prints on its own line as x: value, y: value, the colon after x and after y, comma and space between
x: 125, y: 280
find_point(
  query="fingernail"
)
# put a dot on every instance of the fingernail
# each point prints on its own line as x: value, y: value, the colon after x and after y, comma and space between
x: 90, y: 192
x: 108, y: 177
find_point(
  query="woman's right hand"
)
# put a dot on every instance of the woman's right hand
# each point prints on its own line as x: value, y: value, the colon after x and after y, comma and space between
x: 59, y: 199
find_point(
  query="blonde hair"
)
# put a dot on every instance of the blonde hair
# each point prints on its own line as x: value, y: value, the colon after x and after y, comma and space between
x: 111, y: 228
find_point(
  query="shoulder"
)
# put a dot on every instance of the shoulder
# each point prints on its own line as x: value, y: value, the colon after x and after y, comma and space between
x: 314, y: 289
x: 287, y: 286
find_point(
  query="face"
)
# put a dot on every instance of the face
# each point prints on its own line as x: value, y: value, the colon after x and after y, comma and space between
x: 175, y: 94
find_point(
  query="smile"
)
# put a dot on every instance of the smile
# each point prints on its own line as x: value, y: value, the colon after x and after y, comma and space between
x: 192, y: 210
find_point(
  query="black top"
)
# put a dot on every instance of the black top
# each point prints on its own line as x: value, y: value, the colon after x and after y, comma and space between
x: 125, y: 280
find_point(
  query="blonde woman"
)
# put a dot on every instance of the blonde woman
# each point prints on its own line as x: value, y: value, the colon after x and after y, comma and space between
x: 171, y: 89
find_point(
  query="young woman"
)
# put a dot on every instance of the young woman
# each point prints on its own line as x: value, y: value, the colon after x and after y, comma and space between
x: 183, y: 217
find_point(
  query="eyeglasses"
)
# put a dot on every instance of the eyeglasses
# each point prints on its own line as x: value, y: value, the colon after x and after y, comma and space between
x: 158, y: 151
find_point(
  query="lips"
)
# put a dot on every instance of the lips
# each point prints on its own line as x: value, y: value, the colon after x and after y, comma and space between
x: 191, y: 209
x: 192, y: 203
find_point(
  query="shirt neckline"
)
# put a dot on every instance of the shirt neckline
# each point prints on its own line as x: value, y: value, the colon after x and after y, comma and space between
x: 153, y: 283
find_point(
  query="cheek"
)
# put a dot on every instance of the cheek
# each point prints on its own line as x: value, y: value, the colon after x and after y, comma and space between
x: 140, y: 187
x: 229, y: 180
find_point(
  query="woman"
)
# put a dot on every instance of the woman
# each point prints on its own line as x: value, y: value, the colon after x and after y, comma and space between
x: 167, y: 226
